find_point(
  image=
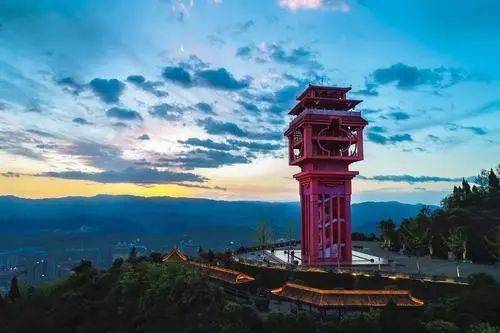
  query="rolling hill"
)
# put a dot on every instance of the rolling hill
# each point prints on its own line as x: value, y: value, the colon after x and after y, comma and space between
x: 165, y: 215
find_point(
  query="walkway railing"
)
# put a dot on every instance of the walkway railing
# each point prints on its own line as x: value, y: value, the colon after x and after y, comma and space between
x: 353, y: 271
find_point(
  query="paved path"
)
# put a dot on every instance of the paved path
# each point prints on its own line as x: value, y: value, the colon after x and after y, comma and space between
x: 427, y: 265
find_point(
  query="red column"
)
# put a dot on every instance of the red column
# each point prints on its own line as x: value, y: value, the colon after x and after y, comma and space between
x: 348, y: 250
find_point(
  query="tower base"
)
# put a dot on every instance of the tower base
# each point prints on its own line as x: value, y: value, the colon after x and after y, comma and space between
x: 326, y: 217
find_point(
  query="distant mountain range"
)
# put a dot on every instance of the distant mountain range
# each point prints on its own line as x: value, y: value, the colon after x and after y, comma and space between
x: 165, y: 215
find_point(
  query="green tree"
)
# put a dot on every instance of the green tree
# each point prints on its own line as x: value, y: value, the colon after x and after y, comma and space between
x: 14, y: 292
x: 414, y: 239
x: 239, y: 318
x: 388, y: 232
x: 133, y: 254
x: 457, y: 244
x: 2, y: 303
x: 440, y: 326
x: 425, y: 223
x: 483, y: 328
x: 466, y: 187
x: 360, y: 322
x: 493, y: 182
x: 492, y: 243
x: 263, y: 234
x: 290, y: 230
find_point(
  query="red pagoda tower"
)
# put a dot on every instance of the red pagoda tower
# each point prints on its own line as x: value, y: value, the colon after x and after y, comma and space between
x: 325, y: 136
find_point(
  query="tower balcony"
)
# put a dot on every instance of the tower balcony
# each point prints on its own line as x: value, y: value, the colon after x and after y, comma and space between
x: 324, y: 149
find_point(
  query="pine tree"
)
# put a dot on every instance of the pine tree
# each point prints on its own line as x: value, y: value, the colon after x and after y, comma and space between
x: 14, y: 292
x: 2, y: 302
x: 466, y: 186
x: 493, y: 182
x: 133, y: 253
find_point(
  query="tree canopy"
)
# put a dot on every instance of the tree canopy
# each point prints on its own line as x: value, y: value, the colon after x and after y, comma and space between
x: 466, y: 225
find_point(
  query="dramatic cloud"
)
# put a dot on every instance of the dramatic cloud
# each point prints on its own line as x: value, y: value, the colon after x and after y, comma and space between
x: 473, y: 129
x: 177, y: 75
x: 215, y: 40
x: 368, y: 90
x: 82, y: 121
x: 108, y: 90
x: 386, y: 140
x: 434, y: 138
x: 335, y: 5
x: 193, y: 63
x: 215, y: 127
x: 399, y: 115
x: 299, y: 56
x: 400, y: 138
x: 249, y: 106
x: 296, y: 56
x: 166, y: 111
x: 196, y: 74
x: 281, y: 100
x: 410, y: 179
x: 256, y: 146
x: 120, y: 125
x: 493, y: 106
x: 10, y: 174
x: 377, y: 129
x: 244, y: 26
x: 143, y: 137
x: 370, y: 111
x: 409, y: 77
x: 16, y: 149
x: 34, y: 109
x: 129, y: 175
x: 70, y: 85
x: 207, y: 143
x: 22, y: 143
x: 199, y: 158
x: 123, y: 114
x: 220, y: 79
x: 235, y: 145
x: 218, y: 188
x: 244, y: 52
x: 43, y: 133
x: 101, y: 156
x: 205, y: 108
x: 219, y: 128
x: 149, y: 86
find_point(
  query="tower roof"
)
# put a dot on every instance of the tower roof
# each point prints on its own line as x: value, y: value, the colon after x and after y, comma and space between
x: 325, y: 90
x: 323, y: 97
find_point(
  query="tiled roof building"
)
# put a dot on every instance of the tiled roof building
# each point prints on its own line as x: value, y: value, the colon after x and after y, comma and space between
x: 224, y: 274
x: 352, y: 299
x: 174, y: 256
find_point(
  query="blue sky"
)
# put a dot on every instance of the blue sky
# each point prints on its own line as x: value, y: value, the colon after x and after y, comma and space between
x: 191, y: 97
